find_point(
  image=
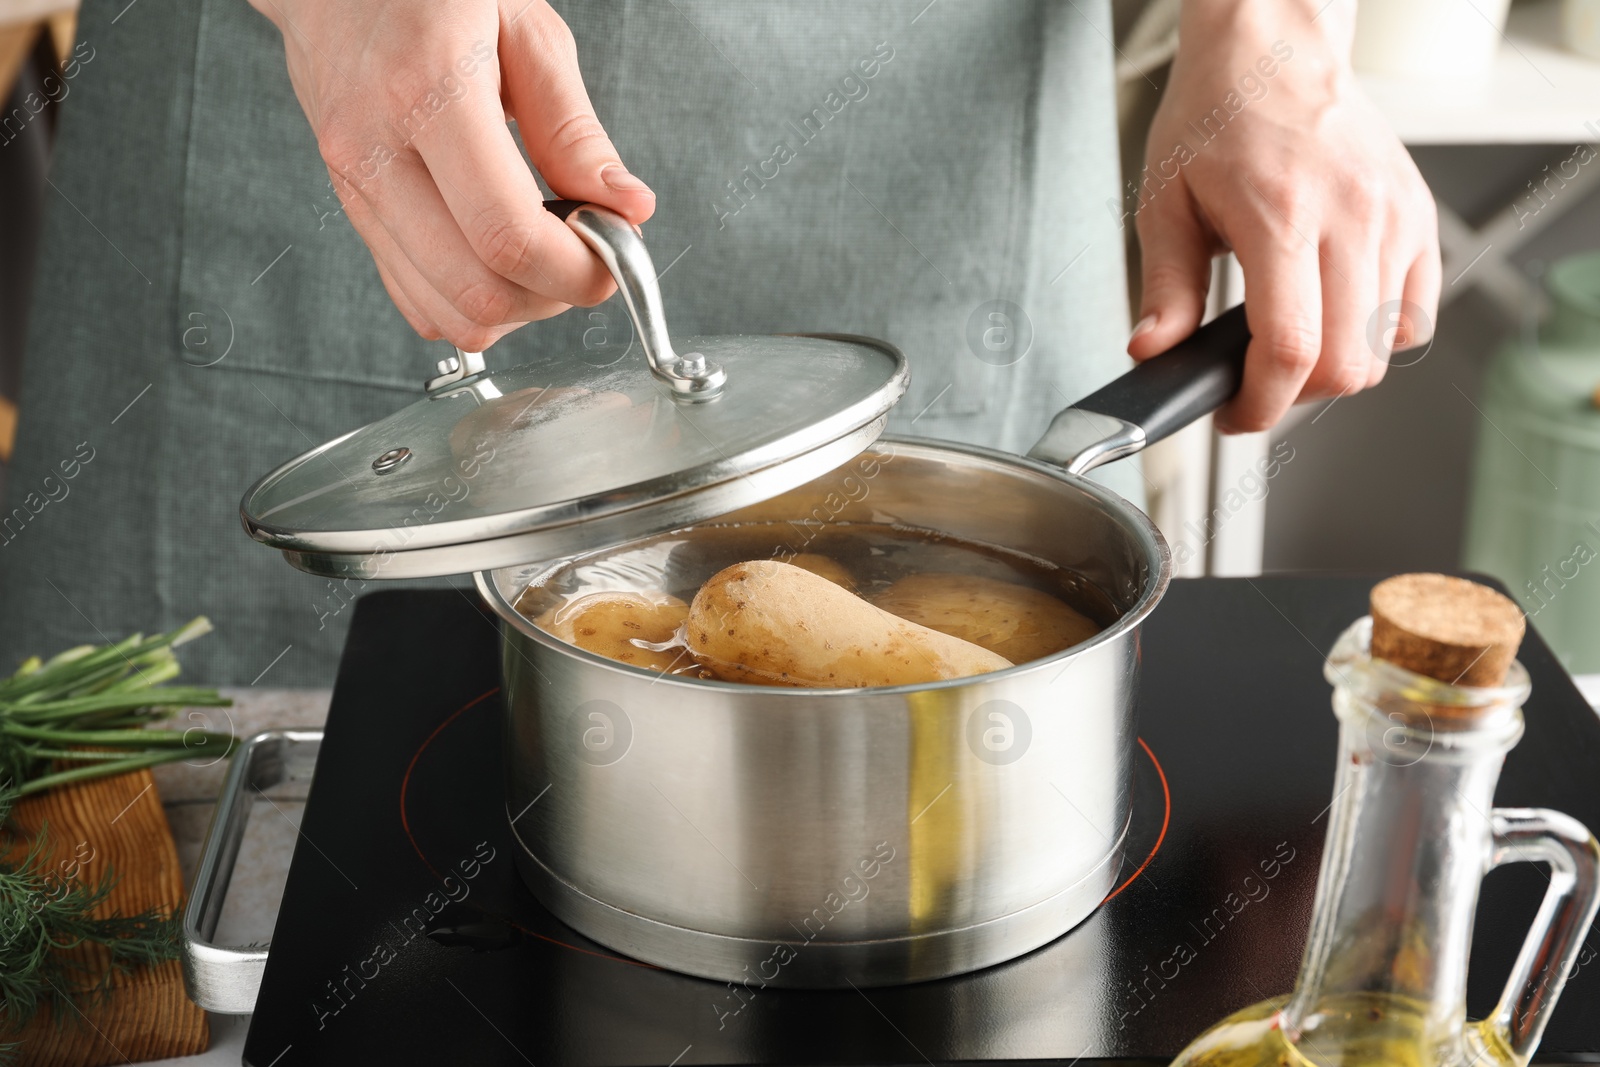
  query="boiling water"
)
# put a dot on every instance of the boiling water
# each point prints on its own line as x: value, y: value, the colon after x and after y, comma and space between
x: 874, y: 556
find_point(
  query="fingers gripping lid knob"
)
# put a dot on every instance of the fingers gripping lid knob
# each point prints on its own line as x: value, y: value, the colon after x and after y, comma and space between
x: 1451, y: 629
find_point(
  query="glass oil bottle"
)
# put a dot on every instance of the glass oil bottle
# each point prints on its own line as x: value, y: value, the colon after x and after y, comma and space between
x: 1411, y: 835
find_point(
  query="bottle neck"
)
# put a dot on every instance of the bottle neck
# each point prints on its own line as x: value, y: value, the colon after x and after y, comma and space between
x: 1408, y: 841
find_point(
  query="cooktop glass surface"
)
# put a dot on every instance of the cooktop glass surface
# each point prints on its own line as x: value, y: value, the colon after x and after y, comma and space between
x: 377, y: 959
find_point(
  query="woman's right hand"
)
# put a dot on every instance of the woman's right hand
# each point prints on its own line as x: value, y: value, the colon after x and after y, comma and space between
x: 409, y: 100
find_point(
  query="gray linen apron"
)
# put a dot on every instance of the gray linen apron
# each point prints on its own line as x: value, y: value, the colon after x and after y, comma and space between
x: 203, y: 311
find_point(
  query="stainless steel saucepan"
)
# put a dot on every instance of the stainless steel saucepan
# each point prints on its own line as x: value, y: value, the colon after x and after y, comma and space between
x: 761, y: 836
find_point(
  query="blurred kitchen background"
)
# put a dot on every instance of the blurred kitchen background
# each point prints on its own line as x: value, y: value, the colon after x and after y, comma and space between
x: 1500, y: 105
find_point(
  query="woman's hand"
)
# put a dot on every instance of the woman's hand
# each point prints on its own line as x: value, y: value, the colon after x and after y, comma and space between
x: 1263, y: 144
x: 409, y: 101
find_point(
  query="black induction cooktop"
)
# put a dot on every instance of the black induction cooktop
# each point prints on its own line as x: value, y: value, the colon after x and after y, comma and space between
x: 377, y: 959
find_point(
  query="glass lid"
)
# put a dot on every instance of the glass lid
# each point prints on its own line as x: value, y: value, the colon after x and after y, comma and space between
x: 494, y: 468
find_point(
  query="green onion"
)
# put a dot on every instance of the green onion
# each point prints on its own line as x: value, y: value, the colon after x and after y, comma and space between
x: 58, y: 717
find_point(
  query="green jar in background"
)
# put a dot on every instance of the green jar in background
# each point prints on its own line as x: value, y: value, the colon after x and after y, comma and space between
x: 1534, y: 516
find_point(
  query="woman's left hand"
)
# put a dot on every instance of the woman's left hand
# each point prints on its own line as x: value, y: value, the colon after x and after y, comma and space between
x: 1264, y: 145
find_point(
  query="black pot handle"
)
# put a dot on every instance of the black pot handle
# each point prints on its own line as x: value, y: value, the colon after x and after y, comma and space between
x: 1157, y: 398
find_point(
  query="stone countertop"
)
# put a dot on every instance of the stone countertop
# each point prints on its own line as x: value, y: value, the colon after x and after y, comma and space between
x: 188, y: 793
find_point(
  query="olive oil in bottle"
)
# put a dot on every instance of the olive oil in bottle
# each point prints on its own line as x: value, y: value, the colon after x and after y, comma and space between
x: 1361, y: 1030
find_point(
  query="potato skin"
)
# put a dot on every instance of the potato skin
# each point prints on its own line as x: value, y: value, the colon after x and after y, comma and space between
x: 610, y: 623
x: 825, y: 566
x: 771, y: 623
x: 1014, y: 621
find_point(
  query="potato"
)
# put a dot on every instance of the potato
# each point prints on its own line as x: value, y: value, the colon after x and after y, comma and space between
x: 612, y: 624
x: 775, y: 624
x: 1011, y: 620
x: 825, y: 566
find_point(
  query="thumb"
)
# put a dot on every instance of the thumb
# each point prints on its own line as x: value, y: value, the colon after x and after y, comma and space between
x: 1175, y: 272
x: 545, y: 93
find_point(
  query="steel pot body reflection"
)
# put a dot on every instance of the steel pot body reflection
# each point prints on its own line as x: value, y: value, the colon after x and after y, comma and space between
x: 819, y: 838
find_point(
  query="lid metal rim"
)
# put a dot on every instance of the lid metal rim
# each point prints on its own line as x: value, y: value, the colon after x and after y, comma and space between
x: 451, y: 534
x: 547, y: 543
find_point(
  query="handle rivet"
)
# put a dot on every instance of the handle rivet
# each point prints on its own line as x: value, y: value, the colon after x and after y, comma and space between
x: 390, y: 460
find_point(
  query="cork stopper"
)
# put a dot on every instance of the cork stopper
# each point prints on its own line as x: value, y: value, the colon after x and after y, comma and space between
x: 1447, y: 628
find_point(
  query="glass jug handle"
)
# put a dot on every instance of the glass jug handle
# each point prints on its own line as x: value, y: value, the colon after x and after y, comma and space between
x: 1537, y: 835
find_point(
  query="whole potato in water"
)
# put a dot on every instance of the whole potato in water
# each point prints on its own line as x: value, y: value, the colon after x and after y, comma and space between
x: 824, y: 566
x: 771, y: 623
x: 1015, y: 621
x: 613, y: 624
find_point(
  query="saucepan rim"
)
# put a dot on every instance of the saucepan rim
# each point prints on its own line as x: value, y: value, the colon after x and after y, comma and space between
x: 1140, y: 527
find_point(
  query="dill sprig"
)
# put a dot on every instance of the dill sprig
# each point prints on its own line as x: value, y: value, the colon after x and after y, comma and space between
x: 82, y: 713
x: 47, y: 928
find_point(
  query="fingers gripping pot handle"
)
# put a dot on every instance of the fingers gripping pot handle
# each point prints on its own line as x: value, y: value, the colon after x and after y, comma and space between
x: 620, y: 247
x: 1154, y: 400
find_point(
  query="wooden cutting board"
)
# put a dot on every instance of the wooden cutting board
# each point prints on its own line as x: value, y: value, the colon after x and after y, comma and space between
x: 114, y: 824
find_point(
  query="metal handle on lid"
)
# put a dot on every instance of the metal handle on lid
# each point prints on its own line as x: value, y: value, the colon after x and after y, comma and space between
x: 622, y: 250
x: 452, y: 370
x: 619, y: 246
